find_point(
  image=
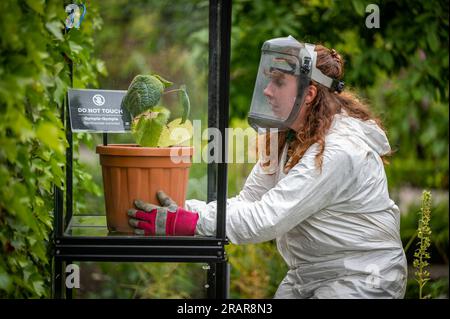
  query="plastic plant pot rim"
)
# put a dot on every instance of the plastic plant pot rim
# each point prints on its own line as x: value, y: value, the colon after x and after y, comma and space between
x: 136, y: 150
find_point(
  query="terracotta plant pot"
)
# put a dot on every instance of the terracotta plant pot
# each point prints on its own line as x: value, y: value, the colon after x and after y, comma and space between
x: 132, y: 172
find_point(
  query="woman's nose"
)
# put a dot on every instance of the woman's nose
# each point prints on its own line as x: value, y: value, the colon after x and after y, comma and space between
x: 267, y: 91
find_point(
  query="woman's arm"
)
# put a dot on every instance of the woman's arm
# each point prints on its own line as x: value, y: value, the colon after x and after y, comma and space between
x: 303, y: 192
x: 256, y: 185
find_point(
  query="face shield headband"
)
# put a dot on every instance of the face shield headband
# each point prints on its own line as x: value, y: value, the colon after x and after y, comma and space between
x: 334, y: 85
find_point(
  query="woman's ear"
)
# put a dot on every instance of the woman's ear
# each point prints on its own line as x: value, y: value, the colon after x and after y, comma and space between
x: 310, y: 94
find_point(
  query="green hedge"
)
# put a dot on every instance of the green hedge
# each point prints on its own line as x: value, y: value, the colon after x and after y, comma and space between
x: 34, y: 77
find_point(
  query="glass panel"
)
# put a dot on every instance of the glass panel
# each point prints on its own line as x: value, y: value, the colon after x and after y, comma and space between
x: 88, y: 226
x: 95, y: 226
x: 166, y: 38
x: 98, y: 280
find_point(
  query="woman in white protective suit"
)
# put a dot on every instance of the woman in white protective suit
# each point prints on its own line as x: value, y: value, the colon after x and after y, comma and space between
x: 321, y: 192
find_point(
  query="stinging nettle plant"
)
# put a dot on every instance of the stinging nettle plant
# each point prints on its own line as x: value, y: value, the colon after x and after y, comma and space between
x: 157, y: 164
x: 149, y: 120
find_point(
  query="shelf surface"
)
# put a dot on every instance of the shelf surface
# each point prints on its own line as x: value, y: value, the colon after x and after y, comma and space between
x: 94, y: 226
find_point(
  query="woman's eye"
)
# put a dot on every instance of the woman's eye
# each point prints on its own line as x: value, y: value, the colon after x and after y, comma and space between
x: 278, y: 82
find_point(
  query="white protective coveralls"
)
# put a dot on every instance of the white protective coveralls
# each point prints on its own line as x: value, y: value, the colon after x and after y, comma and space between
x: 338, y: 231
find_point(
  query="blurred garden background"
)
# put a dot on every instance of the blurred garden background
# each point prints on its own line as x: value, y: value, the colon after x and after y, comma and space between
x: 400, y: 68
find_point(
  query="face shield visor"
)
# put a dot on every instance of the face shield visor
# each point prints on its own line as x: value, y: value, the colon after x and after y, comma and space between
x: 284, y: 74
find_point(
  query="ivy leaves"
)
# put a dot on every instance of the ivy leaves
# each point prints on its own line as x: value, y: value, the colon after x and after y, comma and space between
x: 34, y: 77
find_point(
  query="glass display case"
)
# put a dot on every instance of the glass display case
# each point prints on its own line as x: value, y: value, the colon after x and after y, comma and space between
x: 86, y: 237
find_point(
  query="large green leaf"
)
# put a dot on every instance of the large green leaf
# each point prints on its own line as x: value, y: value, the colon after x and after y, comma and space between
x: 55, y: 27
x: 36, y: 5
x: 165, y: 82
x: 147, y: 127
x: 6, y: 282
x: 176, y: 133
x: 49, y: 134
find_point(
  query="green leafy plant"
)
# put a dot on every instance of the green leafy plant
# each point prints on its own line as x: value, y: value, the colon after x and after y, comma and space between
x: 149, y: 125
x: 421, y: 254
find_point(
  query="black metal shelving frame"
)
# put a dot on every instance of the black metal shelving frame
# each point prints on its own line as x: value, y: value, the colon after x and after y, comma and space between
x: 211, y: 250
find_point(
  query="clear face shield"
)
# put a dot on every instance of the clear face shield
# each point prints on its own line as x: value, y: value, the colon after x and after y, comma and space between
x: 284, y: 74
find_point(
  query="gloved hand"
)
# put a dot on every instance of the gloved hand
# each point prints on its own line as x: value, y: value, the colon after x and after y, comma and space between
x: 165, y: 220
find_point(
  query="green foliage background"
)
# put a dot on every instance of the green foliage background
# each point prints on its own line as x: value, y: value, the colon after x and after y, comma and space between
x: 400, y: 68
x: 34, y: 77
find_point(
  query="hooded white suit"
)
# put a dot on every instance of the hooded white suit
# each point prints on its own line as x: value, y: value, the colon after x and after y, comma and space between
x: 338, y: 231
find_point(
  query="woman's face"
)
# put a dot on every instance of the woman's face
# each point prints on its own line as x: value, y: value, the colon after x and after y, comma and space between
x: 281, y: 93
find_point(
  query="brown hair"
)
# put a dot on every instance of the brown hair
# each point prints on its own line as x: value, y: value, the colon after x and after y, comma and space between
x: 319, y: 114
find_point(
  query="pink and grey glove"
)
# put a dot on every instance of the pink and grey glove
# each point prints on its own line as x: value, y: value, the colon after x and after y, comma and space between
x: 165, y: 220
